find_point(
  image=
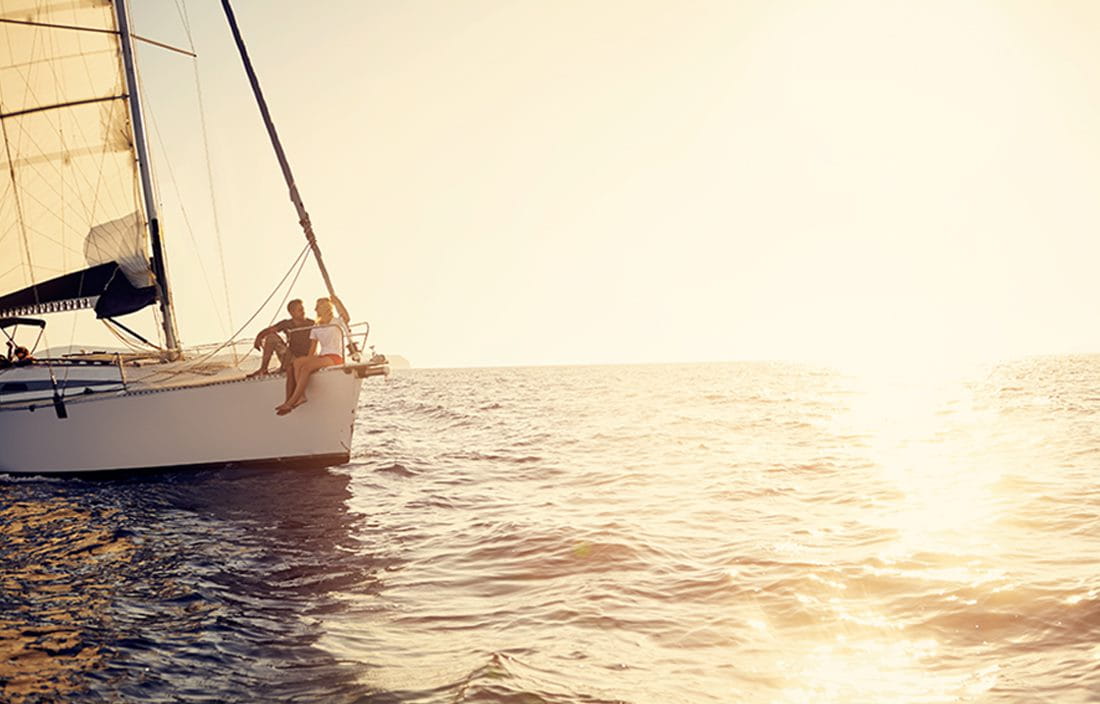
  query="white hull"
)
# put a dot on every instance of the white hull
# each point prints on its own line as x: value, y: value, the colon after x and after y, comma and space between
x: 214, y: 424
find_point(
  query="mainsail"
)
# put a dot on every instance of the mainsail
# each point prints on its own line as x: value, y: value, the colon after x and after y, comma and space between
x: 72, y: 225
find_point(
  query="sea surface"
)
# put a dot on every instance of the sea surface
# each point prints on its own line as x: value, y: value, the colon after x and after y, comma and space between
x: 745, y: 532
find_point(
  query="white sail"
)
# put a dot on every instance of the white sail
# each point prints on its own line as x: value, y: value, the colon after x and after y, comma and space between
x: 67, y: 167
x: 121, y: 241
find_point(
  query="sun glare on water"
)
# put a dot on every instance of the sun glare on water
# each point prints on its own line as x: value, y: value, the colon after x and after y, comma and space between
x: 926, y: 436
x: 880, y: 670
x: 932, y: 501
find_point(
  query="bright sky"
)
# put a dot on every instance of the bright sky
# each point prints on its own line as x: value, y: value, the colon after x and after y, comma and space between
x: 530, y: 182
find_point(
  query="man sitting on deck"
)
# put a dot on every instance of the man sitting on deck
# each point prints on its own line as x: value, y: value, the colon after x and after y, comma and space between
x: 296, y: 328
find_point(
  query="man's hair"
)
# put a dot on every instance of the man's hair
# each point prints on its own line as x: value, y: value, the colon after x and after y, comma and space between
x: 296, y: 301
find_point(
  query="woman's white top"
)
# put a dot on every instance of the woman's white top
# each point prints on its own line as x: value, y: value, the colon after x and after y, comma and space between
x: 329, y: 338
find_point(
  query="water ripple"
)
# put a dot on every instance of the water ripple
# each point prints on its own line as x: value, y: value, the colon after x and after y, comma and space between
x: 668, y: 533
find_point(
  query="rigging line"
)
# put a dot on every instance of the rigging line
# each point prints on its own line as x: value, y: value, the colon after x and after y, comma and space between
x: 27, y: 136
x: 276, y: 313
x: 96, y: 30
x: 286, y: 295
x: 179, y: 199
x: 213, y: 202
x: 297, y: 262
x: 49, y: 158
x: 19, y: 209
x: 28, y: 91
x: 103, y: 141
x: 209, y: 168
x: 183, y: 211
x: 132, y: 332
x: 130, y: 345
x: 72, y: 337
x: 126, y: 341
x: 185, y: 20
x: 49, y: 41
x: 93, y: 207
x: 300, y: 263
x: 282, y: 304
x: 280, y: 154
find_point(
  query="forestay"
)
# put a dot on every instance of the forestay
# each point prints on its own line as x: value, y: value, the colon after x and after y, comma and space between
x: 72, y: 226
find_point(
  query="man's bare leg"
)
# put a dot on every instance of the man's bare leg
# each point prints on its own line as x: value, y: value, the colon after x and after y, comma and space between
x: 290, y: 377
x: 273, y: 344
x: 268, y: 348
x: 285, y: 358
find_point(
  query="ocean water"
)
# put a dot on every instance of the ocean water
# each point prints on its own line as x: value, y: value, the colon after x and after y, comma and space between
x: 681, y: 533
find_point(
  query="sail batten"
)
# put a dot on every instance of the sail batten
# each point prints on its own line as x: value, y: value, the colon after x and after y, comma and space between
x: 68, y: 170
x: 70, y: 104
x: 52, y: 25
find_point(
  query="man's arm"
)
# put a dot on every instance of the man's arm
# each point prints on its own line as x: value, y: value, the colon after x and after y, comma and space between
x: 264, y: 333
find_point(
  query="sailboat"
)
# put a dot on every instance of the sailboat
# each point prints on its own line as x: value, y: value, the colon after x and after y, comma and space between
x: 80, y: 232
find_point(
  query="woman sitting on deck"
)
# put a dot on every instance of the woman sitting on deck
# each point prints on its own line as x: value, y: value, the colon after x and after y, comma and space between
x: 325, y: 350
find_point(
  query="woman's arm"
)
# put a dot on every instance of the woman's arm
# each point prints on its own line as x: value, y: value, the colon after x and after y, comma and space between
x: 341, y: 309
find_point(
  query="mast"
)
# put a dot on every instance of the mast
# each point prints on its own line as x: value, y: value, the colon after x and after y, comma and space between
x: 303, y: 216
x: 160, y: 273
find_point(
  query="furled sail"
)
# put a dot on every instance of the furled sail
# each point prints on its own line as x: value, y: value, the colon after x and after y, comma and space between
x: 72, y: 228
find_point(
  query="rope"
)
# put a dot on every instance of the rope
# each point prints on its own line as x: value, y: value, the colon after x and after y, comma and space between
x: 282, y: 304
x: 299, y: 262
x: 181, y: 9
x: 226, y: 322
x: 286, y: 295
x: 186, y: 219
x: 125, y: 341
x: 131, y: 332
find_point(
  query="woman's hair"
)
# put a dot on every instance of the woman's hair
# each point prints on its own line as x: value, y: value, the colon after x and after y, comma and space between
x: 324, y: 305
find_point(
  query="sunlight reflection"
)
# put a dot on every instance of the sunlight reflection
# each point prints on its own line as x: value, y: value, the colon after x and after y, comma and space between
x: 928, y: 440
x: 58, y: 561
x: 969, y: 575
x: 1078, y: 598
x: 931, y: 494
x: 857, y: 653
x: 877, y: 670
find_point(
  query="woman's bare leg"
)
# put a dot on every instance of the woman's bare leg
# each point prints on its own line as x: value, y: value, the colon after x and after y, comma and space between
x: 293, y: 372
x: 309, y: 365
x: 304, y: 368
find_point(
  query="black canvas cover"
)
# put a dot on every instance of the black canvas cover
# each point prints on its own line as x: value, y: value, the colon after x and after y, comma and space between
x: 122, y: 298
x: 103, y: 286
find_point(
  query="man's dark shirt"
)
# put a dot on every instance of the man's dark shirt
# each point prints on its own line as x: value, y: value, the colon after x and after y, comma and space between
x: 297, y: 335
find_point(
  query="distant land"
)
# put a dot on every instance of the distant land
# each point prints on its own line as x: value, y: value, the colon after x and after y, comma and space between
x: 398, y: 362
